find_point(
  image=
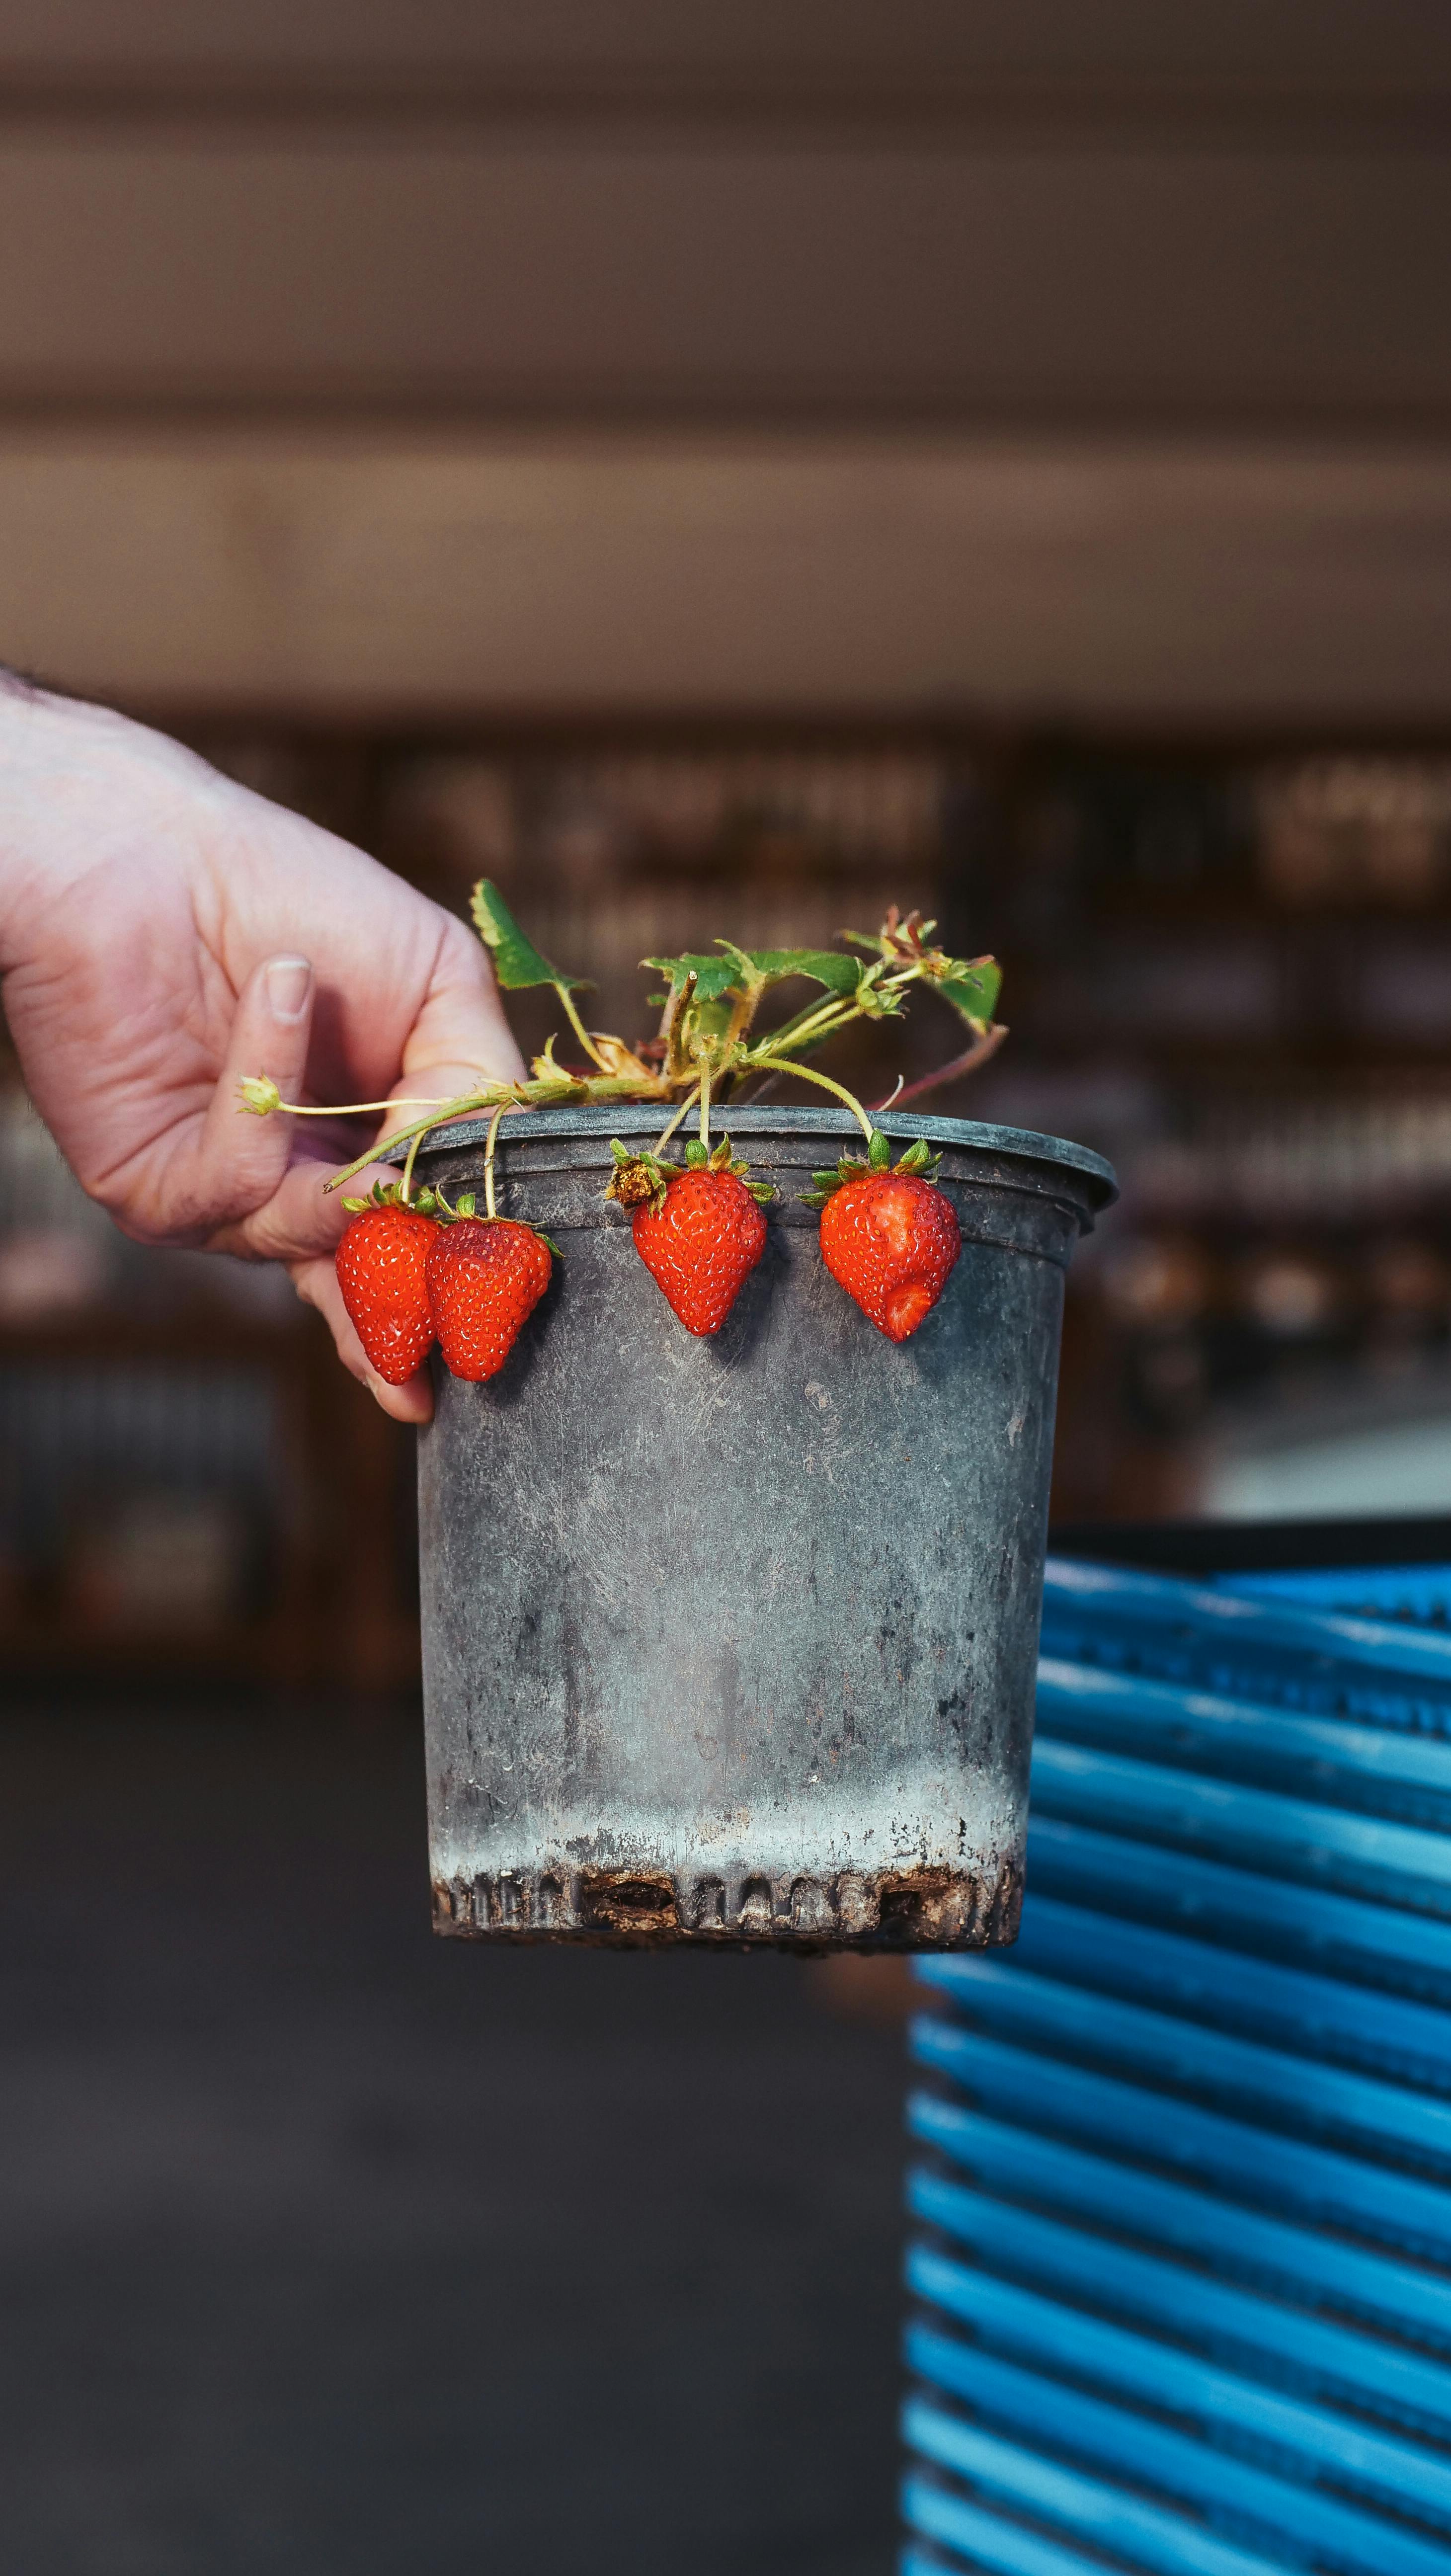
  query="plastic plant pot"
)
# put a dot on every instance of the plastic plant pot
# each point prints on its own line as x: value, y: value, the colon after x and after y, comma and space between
x: 732, y: 1639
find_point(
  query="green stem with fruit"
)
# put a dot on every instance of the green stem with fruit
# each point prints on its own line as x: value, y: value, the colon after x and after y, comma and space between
x: 808, y: 1073
x: 490, y: 1149
x: 668, y: 1130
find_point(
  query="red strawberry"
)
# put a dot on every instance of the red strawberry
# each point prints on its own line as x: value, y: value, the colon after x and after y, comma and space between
x: 486, y: 1275
x: 699, y: 1231
x: 888, y: 1237
x: 380, y: 1263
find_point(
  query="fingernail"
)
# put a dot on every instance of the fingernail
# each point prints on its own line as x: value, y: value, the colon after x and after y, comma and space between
x: 289, y: 983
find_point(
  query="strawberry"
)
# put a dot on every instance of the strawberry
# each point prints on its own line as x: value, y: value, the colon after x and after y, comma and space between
x: 380, y: 1264
x: 486, y: 1275
x: 699, y: 1231
x: 889, y: 1237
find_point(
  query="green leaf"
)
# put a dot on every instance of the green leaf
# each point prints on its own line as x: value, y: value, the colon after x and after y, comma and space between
x: 517, y: 962
x: 828, y: 966
x: 879, y: 1152
x: 714, y: 976
x: 696, y: 1154
x: 973, y: 991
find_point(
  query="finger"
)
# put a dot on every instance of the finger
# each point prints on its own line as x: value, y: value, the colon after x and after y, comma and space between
x: 303, y: 1217
x: 461, y: 1023
x: 460, y: 1038
x: 316, y: 1283
x: 242, y: 1159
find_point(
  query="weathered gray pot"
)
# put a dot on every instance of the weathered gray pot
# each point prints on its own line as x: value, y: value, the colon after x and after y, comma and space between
x: 733, y: 1640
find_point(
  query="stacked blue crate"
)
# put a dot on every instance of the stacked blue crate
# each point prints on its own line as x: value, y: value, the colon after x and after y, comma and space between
x: 1182, y: 2261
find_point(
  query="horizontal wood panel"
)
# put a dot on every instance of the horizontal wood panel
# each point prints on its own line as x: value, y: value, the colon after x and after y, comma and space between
x: 515, y: 279
x: 1133, y: 580
x: 1120, y: 49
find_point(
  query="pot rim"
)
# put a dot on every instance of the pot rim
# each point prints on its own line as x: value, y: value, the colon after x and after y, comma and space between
x: 645, y: 1118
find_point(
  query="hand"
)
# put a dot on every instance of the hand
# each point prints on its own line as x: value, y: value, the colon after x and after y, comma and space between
x: 164, y: 931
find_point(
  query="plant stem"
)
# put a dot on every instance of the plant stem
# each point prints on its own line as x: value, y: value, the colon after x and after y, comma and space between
x: 489, y: 1208
x: 408, y: 1166
x: 811, y: 1027
x: 442, y: 1111
x: 822, y: 1022
x: 805, y: 1073
x: 351, y: 1108
x: 687, y: 1104
x: 578, y: 1026
x: 705, y: 1109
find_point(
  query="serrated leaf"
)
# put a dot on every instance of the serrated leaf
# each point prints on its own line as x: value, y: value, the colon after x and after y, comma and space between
x: 973, y: 992
x: 517, y: 962
x: 828, y: 966
x: 714, y: 976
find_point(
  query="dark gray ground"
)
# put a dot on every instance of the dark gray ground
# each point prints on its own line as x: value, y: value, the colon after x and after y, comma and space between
x: 327, y: 2249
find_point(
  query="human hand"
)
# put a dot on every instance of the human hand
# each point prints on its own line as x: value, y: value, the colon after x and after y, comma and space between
x: 164, y: 931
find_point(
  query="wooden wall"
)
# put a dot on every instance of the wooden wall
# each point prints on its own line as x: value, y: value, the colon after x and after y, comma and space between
x: 1024, y: 358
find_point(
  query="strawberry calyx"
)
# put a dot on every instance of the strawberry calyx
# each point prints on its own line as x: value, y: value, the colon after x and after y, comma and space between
x: 642, y: 1179
x: 390, y: 1194
x: 465, y: 1207
x: 918, y: 1163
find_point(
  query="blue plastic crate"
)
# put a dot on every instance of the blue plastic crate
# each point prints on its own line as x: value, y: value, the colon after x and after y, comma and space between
x: 1181, y: 2267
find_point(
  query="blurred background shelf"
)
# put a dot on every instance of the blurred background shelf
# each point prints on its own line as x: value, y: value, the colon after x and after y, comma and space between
x: 188, y: 1484
x: 1220, y: 998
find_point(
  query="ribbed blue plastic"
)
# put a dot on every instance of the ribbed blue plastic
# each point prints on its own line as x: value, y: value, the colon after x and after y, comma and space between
x: 1420, y: 1592
x: 1181, y: 2264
